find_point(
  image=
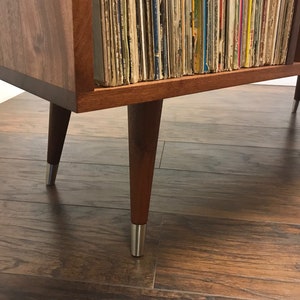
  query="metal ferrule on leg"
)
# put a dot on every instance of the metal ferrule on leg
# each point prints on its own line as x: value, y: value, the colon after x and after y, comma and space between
x: 138, y: 234
x: 51, y: 173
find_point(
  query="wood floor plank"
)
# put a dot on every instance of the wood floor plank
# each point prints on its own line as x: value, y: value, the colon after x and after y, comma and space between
x: 79, y: 184
x: 16, y: 287
x: 73, y: 243
x: 245, y: 98
x: 220, y: 134
x: 33, y: 118
x: 24, y: 113
x: 89, y: 150
x: 272, y: 199
x: 203, y: 115
x: 78, y: 244
x: 257, y: 161
x: 23, y: 146
x: 229, y: 258
x: 234, y: 101
x: 227, y: 196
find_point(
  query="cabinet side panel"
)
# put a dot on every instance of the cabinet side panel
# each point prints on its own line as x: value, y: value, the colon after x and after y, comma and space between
x: 11, y: 50
x: 36, y: 39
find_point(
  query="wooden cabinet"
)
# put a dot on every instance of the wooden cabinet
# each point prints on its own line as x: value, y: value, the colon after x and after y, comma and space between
x: 46, y: 48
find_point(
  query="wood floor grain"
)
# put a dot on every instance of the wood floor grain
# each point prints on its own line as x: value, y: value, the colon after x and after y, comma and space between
x: 224, y: 214
x: 110, y: 151
x: 17, y: 287
x: 73, y: 243
x: 257, y: 161
x: 230, y: 258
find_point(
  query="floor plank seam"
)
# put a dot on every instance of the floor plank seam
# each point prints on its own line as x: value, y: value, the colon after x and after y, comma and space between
x: 162, y: 154
x: 223, y: 173
x: 233, y: 145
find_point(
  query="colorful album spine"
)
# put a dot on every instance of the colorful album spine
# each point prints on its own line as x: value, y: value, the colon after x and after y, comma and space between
x: 197, y: 37
x: 248, y: 40
x: 240, y: 32
x: 204, y: 35
x: 156, y: 39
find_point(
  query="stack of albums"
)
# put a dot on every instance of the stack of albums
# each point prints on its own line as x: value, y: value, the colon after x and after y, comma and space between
x: 142, y: 40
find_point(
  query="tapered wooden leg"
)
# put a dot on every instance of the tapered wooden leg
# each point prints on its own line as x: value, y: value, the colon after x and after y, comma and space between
x: 143, y: 127
x: 297, y: 96
x: 58, y: 125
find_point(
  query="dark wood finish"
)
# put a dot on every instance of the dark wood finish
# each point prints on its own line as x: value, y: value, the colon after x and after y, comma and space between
x: 47, y: 48
x: 162, y: 89
x: 143, y: 129
x: 297, y: 54
x: 297, y: 90
x: 37, y: 40
x: 190, y: 243
x: 83, y: 45
x: 37, y: 48
x: 239, y: 161
x: 58, y: 125
x: 294, y: 36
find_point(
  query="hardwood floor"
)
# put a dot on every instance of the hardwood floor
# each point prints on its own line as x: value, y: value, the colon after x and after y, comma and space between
x: 225, y: 208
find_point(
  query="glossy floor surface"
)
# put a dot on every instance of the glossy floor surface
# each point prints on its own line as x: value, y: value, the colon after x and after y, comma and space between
x: 225, y: 208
